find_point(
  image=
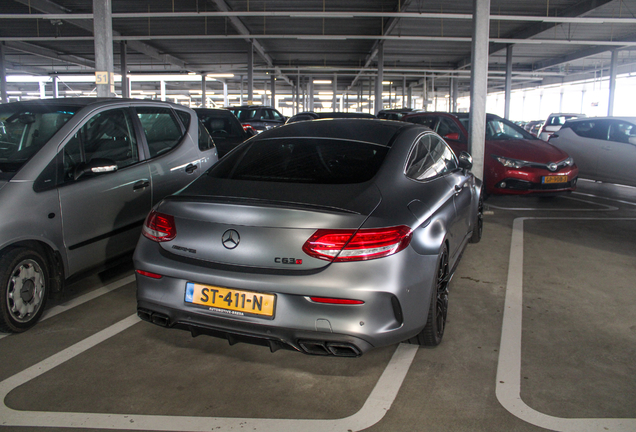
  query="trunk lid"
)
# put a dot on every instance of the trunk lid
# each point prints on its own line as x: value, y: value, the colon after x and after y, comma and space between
x: 261, y: 224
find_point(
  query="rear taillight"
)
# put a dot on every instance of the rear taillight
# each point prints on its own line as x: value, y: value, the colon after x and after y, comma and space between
x: 149, y: 274
x: 357, y: 245
x: 339, y: 301
x: 159, y: 227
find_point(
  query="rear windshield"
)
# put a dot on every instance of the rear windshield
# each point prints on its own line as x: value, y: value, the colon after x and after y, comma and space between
x: 24, y: 131
x: 302, y: 160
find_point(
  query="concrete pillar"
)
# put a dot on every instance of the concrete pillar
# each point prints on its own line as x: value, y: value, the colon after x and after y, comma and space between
x: 42, y: 89
x: 241, y: 95
x: 369, y: 105
x: 298, y: 92
x: 379, y: 79
x: 334, y: 100
x: 56, y: 93
x: 204, y: 99
x: 455, y: 84
x: 479, y: 87
x: 404, y: 92
x: 424, y: 93
x: 508, y: 85
x: 310, y: 94
x: 162, y: 87
x: 226, y: 101
x: 612, y: 85
x: 434, y: 93
x: 409, y: 98
x: 103, y: 34
x: 250, y: 74
x: 125, y: 89
x: 3, y: 76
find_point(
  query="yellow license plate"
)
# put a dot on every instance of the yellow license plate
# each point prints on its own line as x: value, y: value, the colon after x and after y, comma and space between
x: 555, y: 179
x: 230, y: 301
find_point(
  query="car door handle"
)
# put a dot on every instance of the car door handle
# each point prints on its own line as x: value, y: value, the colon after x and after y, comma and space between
x: 141, y: 184
x: 190, y: 168
x: 458, y: 189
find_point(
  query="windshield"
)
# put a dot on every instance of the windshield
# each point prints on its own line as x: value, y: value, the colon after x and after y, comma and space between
x: 25, y: 130
x: 500, y: 129
x: 302, y: 160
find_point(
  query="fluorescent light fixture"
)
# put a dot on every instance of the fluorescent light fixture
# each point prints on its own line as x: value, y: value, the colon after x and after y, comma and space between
x: 220, y: 75
x: 387, y: 82
x: 322, y: 81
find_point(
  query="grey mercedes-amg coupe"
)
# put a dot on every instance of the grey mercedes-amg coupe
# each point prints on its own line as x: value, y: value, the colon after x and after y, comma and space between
x: 329, y: 237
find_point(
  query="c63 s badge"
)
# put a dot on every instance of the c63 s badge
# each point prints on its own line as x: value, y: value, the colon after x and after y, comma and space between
x: 293, y: 261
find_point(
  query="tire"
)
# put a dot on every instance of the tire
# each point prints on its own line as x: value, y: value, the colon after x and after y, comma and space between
x: 479, y: 220
x: 433, y: 332
x: 24, y: 285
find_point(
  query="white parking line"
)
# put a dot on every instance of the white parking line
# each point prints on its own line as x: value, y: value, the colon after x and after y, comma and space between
x: 605, y: 198
x: 373, y: 410
x: 55, y: 310
x: 605, y: 207
x: 509, y: 366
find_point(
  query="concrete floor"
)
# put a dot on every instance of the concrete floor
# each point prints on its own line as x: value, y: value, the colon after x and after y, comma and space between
x: 541, y: 336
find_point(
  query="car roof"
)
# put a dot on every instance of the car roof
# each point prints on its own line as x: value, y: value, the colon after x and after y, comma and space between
x: 83, y: 102
x: 373, y: 131
x: 628, y: 119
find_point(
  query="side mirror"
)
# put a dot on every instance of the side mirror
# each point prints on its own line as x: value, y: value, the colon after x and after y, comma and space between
x: 465, y: 161
x: 95, y: 166
x: 452, y: 136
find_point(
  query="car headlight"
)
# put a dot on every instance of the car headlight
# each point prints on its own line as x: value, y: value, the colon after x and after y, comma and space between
x: 510, y: 163
x: 569, y: 161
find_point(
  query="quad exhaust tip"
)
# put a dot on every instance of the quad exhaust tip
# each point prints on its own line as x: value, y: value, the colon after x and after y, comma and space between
x: 338, y: 349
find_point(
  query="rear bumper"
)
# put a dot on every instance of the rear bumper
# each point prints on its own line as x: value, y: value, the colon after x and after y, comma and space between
x: 508, y: 181
x: 395, y: 302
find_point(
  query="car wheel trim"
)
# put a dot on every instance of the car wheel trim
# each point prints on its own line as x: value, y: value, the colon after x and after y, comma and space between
x: 25, y: 291
x: 442, y: 294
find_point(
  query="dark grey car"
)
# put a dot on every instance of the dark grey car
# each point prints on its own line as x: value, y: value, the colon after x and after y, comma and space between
x: 225, y: 129
x: 258, y: 117
x: 77, y: 179
x: 329, y: 237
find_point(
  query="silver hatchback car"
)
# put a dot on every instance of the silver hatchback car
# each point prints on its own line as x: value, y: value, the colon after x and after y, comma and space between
x: 77, y: 179
x: 329, y: 237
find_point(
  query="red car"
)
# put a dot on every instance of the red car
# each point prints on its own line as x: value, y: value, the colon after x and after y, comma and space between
x: 515, y: 162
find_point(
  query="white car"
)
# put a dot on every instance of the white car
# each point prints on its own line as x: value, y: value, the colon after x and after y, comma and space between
x: 604, y: 148
x: 554, y: 122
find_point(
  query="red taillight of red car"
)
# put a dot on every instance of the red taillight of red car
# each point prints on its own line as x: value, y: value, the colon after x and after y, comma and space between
x: 357, y: 245
x: 159, y: 227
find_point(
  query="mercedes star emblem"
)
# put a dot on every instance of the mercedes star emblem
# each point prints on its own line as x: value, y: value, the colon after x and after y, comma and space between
x: 230, y: 239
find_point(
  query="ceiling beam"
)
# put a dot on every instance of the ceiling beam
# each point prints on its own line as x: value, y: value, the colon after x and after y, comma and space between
x: 244, y: 31
x: 50, y: 54
x: 49, y: 7
x: 579, y: 9
x: 387, y: 29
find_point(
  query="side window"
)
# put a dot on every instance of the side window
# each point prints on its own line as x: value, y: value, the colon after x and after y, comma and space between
x: 205, y: 141
x: 621, y: 131
x: 108, y: 135
x: 162, y: 130
x: 430, y: 157
x: 275, y: 115
x: 185, y: 118
x: 447, y: 127
x: 591, y: 129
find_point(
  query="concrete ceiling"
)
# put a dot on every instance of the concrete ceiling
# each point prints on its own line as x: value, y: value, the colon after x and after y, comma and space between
x: 553, y: 40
